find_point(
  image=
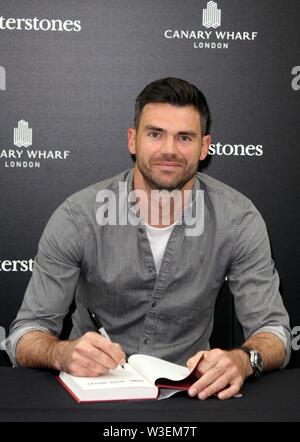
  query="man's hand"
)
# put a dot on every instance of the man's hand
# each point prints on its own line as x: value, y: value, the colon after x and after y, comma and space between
x: 221, y: 373
x: 89, y: 355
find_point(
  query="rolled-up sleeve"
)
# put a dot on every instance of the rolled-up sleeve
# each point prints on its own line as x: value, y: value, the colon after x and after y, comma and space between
x: 254, y: 281
x: 51, y: 288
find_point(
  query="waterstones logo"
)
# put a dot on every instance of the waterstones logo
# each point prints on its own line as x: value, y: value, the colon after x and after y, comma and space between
x: 39, y: 24
x: 236, y: 150
x: 16, y: 265
x: 28, y: 158
x: 210, y: 39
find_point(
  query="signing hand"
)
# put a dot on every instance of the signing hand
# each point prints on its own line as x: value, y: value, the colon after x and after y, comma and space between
x: 89, y: 355
x: 221, y: 373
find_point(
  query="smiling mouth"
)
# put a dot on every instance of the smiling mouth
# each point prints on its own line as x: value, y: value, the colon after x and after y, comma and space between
x: 168, y: 165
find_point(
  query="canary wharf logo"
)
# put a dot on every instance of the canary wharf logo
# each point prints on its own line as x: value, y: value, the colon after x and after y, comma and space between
x: 22, y: 134
x: 206, y: 38
x: 211, y: 16
x: 28, y: 158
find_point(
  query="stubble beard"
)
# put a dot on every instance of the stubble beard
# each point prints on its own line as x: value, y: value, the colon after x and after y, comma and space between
x: 179, y: 180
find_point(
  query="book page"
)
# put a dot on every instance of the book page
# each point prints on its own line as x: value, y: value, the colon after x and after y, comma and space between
x: 153, y: 368
x: 116, y: 378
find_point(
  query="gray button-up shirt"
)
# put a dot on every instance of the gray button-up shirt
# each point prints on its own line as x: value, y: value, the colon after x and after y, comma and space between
x: 111, y: 269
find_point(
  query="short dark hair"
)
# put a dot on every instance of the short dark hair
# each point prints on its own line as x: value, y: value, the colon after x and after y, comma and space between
x: 176, y: 92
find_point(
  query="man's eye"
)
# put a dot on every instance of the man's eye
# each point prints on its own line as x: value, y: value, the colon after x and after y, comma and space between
x: 185, y: 138
x: 154, y: 134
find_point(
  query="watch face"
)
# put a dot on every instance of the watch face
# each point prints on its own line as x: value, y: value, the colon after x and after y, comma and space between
x: 256, y: 363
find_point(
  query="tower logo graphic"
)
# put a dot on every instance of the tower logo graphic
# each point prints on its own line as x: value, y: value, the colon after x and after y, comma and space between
x: 22, y: 134
x: 211, y: 15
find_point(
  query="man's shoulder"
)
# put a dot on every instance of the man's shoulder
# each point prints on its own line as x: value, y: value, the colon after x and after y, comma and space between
x: 222, y: 194
x: 87, y: 196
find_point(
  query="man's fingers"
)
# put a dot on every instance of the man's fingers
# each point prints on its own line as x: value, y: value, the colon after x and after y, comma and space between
x: 111, y: 348
x: 101, y: 350
x: 206, y: 380
x: 191, y: 363
x: 221, y: 373
x: 100, y: 357
x: 205, y: 360
x: 219, y: 384
x: 229, y: 392
x: 81, y: 366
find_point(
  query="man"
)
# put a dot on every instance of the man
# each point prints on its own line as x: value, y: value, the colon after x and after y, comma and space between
x: 154, y: 283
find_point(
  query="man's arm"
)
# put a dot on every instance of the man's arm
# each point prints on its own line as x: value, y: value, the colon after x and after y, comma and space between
x: 270, y: 347
x: 56, y: 270
x: 50, y: 292
x: 254, y: 283
x: 224, y: 372
x: 34, y: 335
x: 90, y: 355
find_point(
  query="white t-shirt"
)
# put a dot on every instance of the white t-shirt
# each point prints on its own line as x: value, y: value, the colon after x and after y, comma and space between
x: 158, y: 238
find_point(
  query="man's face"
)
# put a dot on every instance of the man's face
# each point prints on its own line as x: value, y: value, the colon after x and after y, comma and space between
x: 168, y: 145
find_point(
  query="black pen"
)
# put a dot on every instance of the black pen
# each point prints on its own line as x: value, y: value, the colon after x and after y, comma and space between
x: 99, y: 326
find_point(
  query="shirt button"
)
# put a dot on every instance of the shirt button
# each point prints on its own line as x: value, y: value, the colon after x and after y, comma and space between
x: 153, y: 304
x: 145, y: 340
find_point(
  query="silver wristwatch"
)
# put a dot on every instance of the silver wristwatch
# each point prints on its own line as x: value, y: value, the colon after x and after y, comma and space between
x: 256, y: 361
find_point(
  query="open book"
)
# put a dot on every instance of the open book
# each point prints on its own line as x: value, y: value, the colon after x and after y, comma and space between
x: 144, y: 377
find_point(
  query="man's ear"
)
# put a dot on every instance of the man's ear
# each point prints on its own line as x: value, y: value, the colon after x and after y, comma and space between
x: 206, y: 142
x: 131, y: 140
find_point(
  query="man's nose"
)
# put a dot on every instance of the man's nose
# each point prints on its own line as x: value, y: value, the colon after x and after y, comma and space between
x: 169, y: 145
